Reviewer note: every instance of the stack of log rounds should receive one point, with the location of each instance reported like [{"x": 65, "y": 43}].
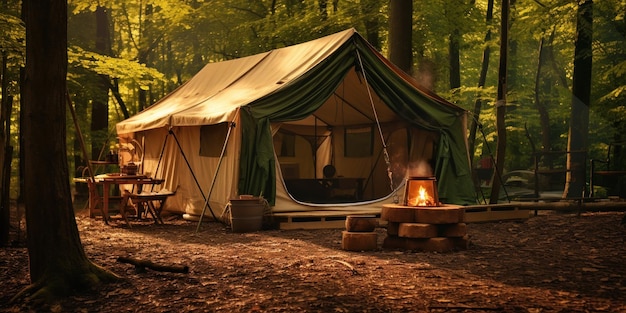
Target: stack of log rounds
[
  {"x": 430, "y": 229},
  {"x": 360, "y": 233}
]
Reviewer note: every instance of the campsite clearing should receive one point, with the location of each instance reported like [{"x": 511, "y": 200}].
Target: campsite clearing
[{"x": 549, "y": 263}]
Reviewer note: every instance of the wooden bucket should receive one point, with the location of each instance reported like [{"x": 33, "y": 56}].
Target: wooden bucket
[{"x": 246, "y": 214}]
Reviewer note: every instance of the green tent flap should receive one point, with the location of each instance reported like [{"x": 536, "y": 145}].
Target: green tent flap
[
  {"x": 426, "y": 110},
  {"x": 257, "y": 164},
  {"x": 304, "y": 95}
]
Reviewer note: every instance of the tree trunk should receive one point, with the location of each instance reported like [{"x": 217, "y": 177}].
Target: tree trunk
[
  {"x": 143, "y": 56},
  {"x": 581, "y": 88},
  {"x": 544, "y": 116},
  {"x": 115, "y": 90},
  {"x": 370, "y": 9},
  {"x": 322, "y": 5},
  {"x": 100, "y": 109},
  {"x": 501, "y": 104},
  {"x": 58, "y": 264},
  {"x": 484, "y": 67},
  {"x": 400, "y": 34},
  {"x": 561, "y": 78},
  {"x": 5, "y": 216},
  {"x": 454, "y": 59}
]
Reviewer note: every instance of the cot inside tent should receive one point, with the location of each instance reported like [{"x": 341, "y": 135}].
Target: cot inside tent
[{"x": 329, "y": 124}]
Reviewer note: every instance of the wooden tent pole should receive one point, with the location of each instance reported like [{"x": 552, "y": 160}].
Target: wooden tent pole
[{"x": 156, "y": 171}]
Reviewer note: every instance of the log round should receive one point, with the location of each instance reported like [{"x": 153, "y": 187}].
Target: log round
[
  {"x": 359, "y": 241},
  {"x": 361, "y": 223}
]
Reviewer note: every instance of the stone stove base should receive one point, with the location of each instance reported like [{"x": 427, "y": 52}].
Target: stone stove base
[{"x": 430, "y": 229}]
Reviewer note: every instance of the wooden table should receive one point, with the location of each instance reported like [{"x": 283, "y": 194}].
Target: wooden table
[{"x": 106, "y": 180}]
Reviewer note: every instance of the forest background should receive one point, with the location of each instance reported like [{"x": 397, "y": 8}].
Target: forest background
[{"x": 125, "y": 55}]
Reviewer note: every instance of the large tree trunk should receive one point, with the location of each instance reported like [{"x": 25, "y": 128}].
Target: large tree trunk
[
  {"x": 501, "y": 104},
  {"x": 58, "y": 264},
  {"x": 579, "y": 117},
  {"x": 400, "y": 34}
]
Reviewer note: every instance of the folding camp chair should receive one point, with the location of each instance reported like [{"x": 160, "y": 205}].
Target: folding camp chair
[{"x": 146, "y": 203}]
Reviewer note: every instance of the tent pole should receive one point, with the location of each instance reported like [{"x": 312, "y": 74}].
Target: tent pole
[
  {"x": 315, "y": 149},
  {"x": 190, "y": 169},
  {"x": 219, "y": 163},
  {"x": 156, "y": 171}
]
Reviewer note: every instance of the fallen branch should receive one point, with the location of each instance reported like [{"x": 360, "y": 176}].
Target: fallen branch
[
  {"x": 141, "y": 265},
  {"x": 354, "y": 272}
]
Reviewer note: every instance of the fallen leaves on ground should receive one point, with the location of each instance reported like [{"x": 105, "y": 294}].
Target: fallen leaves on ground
[{"x": 548, "y": 263}]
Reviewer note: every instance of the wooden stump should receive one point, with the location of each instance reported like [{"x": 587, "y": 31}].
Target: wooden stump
[
  {"x": 361, "y": 223},
  {"x": 359, "y": 241}
]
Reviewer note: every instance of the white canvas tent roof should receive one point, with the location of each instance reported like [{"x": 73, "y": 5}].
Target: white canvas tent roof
[{"x": 208, "y": 98}]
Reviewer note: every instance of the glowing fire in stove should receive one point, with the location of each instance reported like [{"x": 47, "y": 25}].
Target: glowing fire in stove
[
  {"x": 421, "y": 191},
  {"x": 423, "y": 199}
]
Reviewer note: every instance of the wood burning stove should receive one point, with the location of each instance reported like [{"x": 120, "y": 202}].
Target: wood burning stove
[{"x": 421, "y": 191}]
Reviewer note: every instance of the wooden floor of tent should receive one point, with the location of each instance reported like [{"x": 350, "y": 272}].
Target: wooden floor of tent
[{"x": 473, "y": 213}]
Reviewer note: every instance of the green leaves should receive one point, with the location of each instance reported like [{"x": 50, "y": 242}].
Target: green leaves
[
  {"x": 13, "y": 35},
  {"x": 114, "y": 67}
]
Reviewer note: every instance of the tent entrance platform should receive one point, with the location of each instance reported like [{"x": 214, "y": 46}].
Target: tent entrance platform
[
  {"x": 473, "y": 213},
  {"x": 325, "y": 219},
  {"x": 495, "y": 212},
  {"x": 318, "y": 219}
]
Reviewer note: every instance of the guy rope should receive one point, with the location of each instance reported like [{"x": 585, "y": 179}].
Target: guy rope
[{"x": 380, "y": 131}]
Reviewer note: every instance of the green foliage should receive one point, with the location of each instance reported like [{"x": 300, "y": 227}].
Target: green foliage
[
  {"x": 156, "y": 45},
  {"x": 209, "y": 31},
  {"x": 554, "y": 22},
  {"x": 13, "y": 35},
  {"x": 113, "y": 67}
]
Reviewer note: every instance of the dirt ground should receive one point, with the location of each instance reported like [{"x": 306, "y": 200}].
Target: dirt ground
[{"x": 549, "y": 263}]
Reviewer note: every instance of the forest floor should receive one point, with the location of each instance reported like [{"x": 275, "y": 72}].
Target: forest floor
[{"x": 549, "y": 263}]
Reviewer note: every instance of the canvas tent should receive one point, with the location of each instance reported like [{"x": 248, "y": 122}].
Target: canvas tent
[{"x": 268, "y": 125}]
